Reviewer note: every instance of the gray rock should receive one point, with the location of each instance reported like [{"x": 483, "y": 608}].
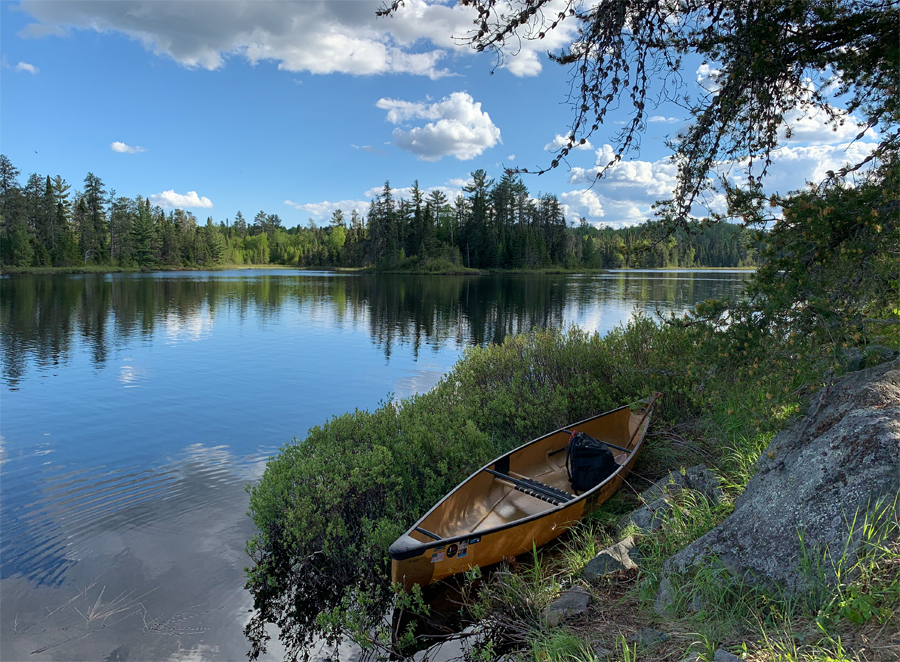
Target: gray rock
[
  {"x": 692, "y": 657},
  {"x": 651, "y": 516},
  {"x": 839, "y": 461},
  {"x": 648, "y": 518},
  {"x": 573, "y": 602},
  {"x": 648, "y": 637},
  {"x": 664, "y": 596},
  {"x": 621, "y": 556},
  {"x": 857, "y": 358},
  {"x": 601, "y": 653},
  {"x": 698, "y": 478},
  {"x": 723, "y": 655},
  {"x": 696, "y": 604}
]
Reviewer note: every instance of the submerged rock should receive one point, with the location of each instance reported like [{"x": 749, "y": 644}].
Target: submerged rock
[
  {"x": 817, "y": 480},
  {"x": 621, "y": 556}
]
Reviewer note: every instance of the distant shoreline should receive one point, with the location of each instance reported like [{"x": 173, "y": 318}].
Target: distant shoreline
[{"x": 462, "y": 271}]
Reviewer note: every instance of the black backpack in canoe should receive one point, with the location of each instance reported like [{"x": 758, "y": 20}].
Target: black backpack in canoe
[{"x": 589, "y": 462}]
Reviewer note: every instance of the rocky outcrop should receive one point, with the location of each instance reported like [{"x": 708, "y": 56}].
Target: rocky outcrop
[
  {"x": 818, "y": 479},
  {"x": 722, "y": 655}
]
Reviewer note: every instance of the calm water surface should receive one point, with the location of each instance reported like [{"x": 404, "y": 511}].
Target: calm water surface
[{"x": 135, "y": 408}]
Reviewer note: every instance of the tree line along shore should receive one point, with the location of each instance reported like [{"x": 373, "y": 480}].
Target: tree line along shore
[{"x": 492, "y": 225}]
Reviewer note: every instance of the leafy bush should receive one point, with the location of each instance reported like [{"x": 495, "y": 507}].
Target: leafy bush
[{"x": 328, "y": 507}]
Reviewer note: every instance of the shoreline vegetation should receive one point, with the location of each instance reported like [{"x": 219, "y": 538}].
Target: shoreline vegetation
[
  {"x": 491, "y": 225},
  {"x": 825, "y": 301},
  {"x": 460, "y": 271}
]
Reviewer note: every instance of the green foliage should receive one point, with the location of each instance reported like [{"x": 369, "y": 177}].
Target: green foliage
[
  {"x": 498, "y": 225},
  {"x": 558, "y": 646},
  {"x": 861, "y": 586},
  {"x": 831, "y": 262},
  {"x": 328, "y": 507}
]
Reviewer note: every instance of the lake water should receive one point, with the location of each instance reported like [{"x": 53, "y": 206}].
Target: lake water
[{"x": 134, "y": 408}]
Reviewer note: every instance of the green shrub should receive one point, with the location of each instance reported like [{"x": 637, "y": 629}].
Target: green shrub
[{"x": 328, "y": 507}]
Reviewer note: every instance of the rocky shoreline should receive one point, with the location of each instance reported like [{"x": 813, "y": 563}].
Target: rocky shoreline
[{"x": 822, "y": 501}]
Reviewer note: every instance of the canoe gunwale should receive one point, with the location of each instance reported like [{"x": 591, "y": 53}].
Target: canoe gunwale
[{"x": 422, "y": 547}]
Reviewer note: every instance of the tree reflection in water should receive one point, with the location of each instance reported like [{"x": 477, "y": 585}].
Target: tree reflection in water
[{"x": 43, "y": 316}]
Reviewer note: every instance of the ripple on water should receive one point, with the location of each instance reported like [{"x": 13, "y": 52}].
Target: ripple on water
[{"x": 49, "y": 514}]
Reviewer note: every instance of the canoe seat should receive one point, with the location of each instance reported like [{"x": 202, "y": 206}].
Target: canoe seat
[{"x": 536, "y": 488}]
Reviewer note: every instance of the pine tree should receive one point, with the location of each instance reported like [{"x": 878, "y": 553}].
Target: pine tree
[
  {"x": 143, "y": 233},
  {"x": 94, "y": 231}
]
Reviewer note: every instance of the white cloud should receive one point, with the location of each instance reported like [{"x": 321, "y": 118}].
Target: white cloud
[
  {"x": 625, "y": 193},
  {"x": 122, "y": 148},
  {"x": 708, "y": 78},
  {"x": 24, "y": 66},
  {"x": 315, "y": 36},
  {"x": 461, "y": 129},
  {"x": 511, "y": 157},
  {"x": 326, "y": 209},
  {"x": 648, "y": 179},
  {"x": 561, "y": 141},
  {"x": 793, "y": 167},
  {"x": 815, "y": 129},
  {"x": 582, "y": 202},
  {"x": 598, "y": 208},
  {"x": 21, "y": 66},
  {"x": 171, "y": 199},
  {"x": 524, "y": 63},
  {"x": 368, "y": 148},
  {"x": 319, "y": 37},
  {"x": 405, "y": 192},
  {"x": 660, "y": 118}
]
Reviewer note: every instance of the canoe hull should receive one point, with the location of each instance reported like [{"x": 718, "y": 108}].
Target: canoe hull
[{"x": 422, "y": 562}]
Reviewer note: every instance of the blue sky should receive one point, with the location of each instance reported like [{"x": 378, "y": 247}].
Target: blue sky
[{"x": 297, "y": 108}]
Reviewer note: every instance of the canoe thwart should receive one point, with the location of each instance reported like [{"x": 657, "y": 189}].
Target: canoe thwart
[
  {"x": 535, "y": 488},
  {"x": 618, "y": 448}
]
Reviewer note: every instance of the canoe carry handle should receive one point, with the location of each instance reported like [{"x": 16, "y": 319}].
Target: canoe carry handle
[
  {"x": 427, "y": 533},
  {"x": 618, "y": 448}
]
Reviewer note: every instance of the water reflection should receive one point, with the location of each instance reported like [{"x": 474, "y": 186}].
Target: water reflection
[
  {"x": 43, "y": 317},
  {"x": 133, "y": 588}
]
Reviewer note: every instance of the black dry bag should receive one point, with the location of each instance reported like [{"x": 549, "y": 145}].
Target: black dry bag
[{"x": 589, "y": 462}]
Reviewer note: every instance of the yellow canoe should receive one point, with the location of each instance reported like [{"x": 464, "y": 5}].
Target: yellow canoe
[{"x": 521, "y": 499}]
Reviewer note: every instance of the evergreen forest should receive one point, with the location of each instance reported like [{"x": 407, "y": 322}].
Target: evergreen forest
[{"x": 491, "y": 225}]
